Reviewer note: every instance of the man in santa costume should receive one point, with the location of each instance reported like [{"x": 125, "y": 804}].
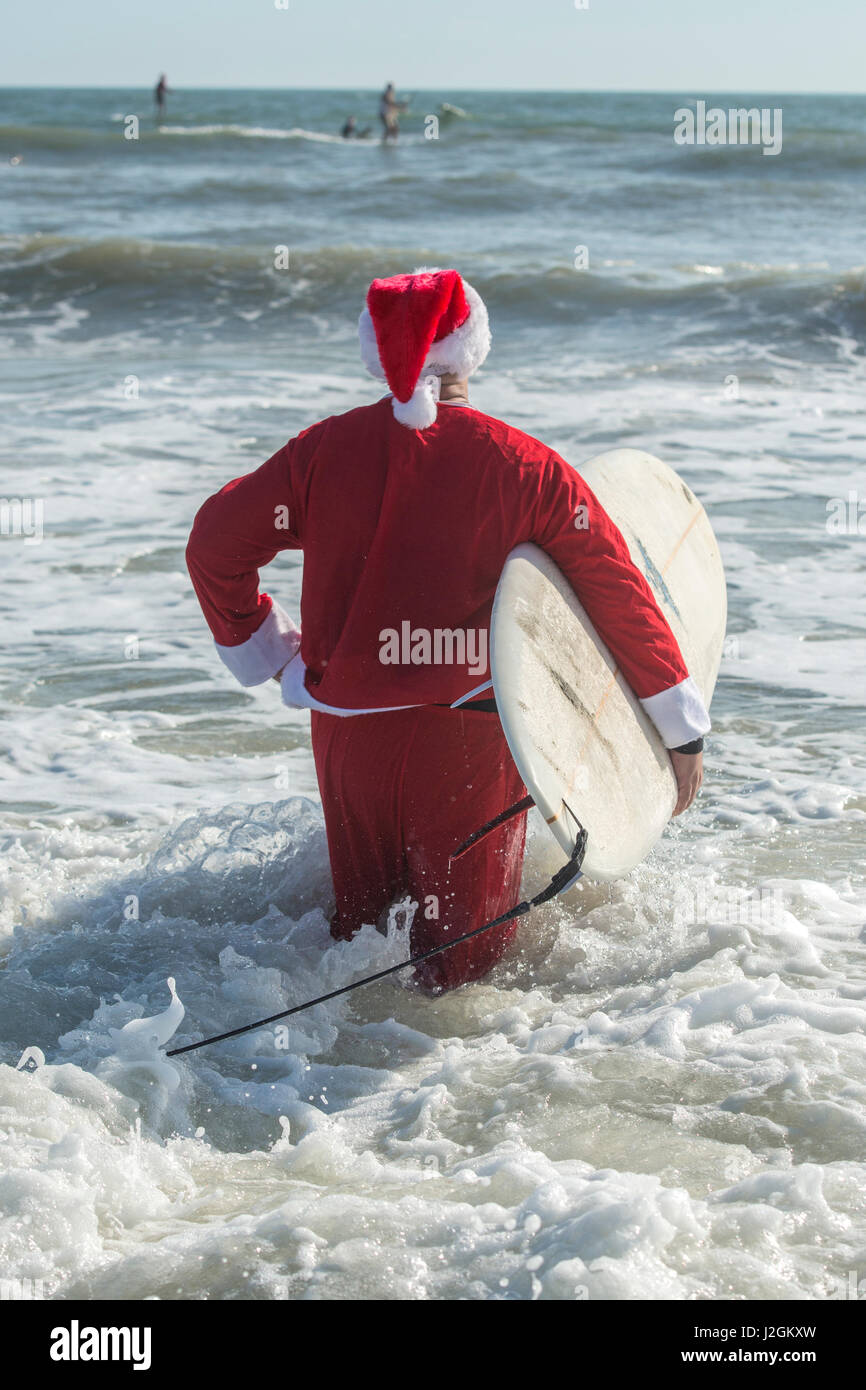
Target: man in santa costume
[{"x": 405, "y": 511}]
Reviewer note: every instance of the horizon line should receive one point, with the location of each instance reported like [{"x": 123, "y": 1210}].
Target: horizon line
[{"x": 535, "y": 91}]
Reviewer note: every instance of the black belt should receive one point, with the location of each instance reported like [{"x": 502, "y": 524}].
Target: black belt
[{"x": 488, "y": 706}]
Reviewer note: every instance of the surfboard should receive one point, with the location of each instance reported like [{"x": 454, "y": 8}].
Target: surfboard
[{"x": 582, "y": 743}]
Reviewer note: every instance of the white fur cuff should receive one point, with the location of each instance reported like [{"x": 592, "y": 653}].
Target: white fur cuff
[
  {"x": 297, "y": 696},
  {"x": 266, "y": 652},
  {"x": 679, "y": 713}
]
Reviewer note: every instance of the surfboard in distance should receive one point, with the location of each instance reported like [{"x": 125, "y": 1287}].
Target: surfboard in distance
[{"x": 579, "y": 736}]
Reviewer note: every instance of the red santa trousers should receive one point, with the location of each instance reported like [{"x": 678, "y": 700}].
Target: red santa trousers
[{"x": 400, "y": 792}]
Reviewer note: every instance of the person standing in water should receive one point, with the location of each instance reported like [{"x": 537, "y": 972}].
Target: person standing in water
[
  {"x": 159, "y": 92},
  {"x": 406, "y": 511},
  {"x": 389, "y": 108}
]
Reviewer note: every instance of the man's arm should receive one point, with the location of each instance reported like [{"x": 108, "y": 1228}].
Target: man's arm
[
  {"x": 571, "y": 525},
  {"x": 236, "y": 532}
]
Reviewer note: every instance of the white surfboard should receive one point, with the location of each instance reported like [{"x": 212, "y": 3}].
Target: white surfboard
[{"x": 579, "y": 736}]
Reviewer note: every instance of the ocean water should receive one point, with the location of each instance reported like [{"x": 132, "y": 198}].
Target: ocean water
[{"x": 662, "y": 1092}]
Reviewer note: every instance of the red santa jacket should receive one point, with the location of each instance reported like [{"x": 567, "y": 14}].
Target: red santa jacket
[{"x": 404, "y": 535}]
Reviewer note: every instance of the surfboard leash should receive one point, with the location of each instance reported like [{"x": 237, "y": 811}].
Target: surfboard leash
[
  {"x": 562, "y": 879},
  {"x": 517, "y": 809}
]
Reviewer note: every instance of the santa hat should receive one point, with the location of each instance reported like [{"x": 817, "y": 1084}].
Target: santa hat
[{"x": 418, "y": 328}]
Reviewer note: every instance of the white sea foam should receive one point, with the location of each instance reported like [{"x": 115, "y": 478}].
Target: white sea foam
[
  {"x": 255, "y": 132},
  {"x": 636, "y": 1104}
]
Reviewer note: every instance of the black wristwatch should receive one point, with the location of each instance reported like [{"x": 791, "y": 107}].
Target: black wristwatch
[{"x": 696, "y": 746}]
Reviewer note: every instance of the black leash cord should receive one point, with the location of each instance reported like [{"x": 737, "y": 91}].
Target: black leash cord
[
  {"x": 517, "y": 911},
  {"x": 515, "y": 810},
  {"x": 560, "y": 881}
]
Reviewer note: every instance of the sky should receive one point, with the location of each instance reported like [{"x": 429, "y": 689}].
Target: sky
[{"x": 440, "y": 45}]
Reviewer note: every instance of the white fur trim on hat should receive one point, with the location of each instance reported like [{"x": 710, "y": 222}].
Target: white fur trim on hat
[
  {"x": 461, "y": 353},
  {"x": 464, "y": 350},
  {"x": 421, "y": 408}
]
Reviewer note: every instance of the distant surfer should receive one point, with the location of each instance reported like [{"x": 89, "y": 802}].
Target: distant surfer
[
  {"x": 405, "y": 511},
  {"x": 389, "y": 109},
  {"x": 159, "y": 95},
  {"x": 350, "y": 130}
]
